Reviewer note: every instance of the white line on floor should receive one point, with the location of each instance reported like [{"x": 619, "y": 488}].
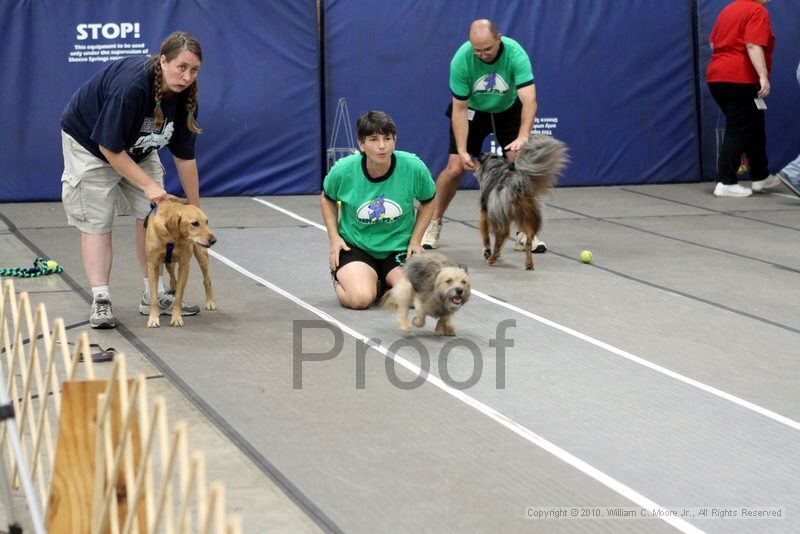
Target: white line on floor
[
  {"x": 600, "y": 344},
  {"x": 291, "y": 214},
  {"x": 510, "y": 424}
]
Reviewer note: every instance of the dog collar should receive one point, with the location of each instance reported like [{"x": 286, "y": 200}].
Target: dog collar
[{"x": 153, "y": 209}]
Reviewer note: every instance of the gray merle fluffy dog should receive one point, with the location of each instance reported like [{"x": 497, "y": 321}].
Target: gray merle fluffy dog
[{"x": 511, "y": 192}]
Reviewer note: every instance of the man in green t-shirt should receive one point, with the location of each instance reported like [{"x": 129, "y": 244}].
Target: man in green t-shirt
[
  {"x": 491, "y": 80},
  {"x": 378, "y": 228}
]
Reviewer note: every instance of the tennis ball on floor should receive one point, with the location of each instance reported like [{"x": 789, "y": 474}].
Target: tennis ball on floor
[
  {"x": 51, "y": 265},
  {"x": 586, "y": 256}
]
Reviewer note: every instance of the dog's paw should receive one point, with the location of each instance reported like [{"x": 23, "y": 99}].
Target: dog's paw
[
  {"x": 153, "y": 322},
  {"x": 528, "y": 266},
  {"x": 418, "y": 321},
  {"x": 492, "y": 259},
  {"x": 445, "y": 330},
  {"x": 486, "y": 253},
  {"x": 177, "y": 320},
  {"x": 211, "y": 305},
  {"x": 402, "y": 322}
]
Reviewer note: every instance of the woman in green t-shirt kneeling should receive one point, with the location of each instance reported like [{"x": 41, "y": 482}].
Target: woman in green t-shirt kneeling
[{"x": 378, "y": 227}]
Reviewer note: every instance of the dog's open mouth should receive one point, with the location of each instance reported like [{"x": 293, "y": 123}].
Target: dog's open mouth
[{"x": 457, "y": 300}]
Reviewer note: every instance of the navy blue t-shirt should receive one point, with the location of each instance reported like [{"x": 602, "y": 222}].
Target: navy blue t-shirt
[{"x": 115, "y": 109}]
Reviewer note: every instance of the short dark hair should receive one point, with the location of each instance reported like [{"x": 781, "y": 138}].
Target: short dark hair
[{"x": 373, "y": 122}]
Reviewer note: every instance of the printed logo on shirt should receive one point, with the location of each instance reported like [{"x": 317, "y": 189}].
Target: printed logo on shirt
[
  {"x": 149, "y": 125},
  {"x": 154, "y": 140},
  {"x": 490, "y": 83},
  {"x": 379, "y": 209}
]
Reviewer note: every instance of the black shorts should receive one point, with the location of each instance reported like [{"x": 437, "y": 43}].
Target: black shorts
[
  {"x": 506, "y": 122},
  {"x": 382, "y": 267}
]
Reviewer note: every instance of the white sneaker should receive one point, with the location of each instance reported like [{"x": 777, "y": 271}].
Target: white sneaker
[
  {"x": 100, "y": 314},
  {"x": 767, "y": 183},
  {"x": 537, "y": 247},
  {"x": 732, "y": 191},
  {"x": 165, "y": 301},
  {"x": 431, "y": 238}
]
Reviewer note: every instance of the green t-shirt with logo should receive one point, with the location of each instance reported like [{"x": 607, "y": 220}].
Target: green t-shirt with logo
[
  {"x": 490, "y": 87},
  {"x": 377, "y": 214}
]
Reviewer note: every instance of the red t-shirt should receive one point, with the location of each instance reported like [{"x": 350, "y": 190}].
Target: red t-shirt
[{"x": 741, "y": 22}]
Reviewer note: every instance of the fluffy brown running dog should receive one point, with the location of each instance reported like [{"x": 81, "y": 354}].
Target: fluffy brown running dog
[
  {"x": 511, "y": 192},
  {"x": 177, "y": 230},
  {"x": 435, "y": 286}
]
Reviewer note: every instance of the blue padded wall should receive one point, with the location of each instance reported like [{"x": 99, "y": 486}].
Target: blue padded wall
[
  {"x": 783, "y": 103},
  {"x": 615, "y": 79},
  {"x": 616, "y": 75},
  {"x": 259, "y": 87}
]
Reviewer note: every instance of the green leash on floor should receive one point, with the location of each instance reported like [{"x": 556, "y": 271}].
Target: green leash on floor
[{"x": 40, "y": 267}]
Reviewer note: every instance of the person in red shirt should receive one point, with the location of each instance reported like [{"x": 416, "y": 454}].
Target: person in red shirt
[{"x": 738, "y": 78}]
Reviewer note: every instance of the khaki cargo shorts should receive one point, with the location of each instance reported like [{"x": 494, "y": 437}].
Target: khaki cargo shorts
[{"x": 93, "y": 192}]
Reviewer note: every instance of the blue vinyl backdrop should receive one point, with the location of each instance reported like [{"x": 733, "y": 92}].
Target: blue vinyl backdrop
[
  {"x": 258, "y": 87},
  {"x": 617, "y": 75},
  {"x": 783, "y": 103},
  {"x": 617, "y": 80}
]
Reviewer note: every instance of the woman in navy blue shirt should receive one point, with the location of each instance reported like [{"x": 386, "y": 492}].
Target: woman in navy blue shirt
[{"x": 112, "y": 130}]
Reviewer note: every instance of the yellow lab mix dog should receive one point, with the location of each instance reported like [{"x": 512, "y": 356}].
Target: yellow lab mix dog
[{"x": 174, "y": 232}]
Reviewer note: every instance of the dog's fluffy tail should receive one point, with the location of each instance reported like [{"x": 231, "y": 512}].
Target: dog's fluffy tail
[
  {"x": 541, "y": 159},
  {"x": 389, "y": 300}
]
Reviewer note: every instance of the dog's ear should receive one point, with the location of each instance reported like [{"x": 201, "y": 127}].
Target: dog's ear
[
  {"x": 462, "y": 266},
  {"x": 159, "y": 225},
  {"x": 172, "y": 223}
]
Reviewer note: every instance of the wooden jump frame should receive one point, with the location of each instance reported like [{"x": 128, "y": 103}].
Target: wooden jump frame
[{"x": 94, "y": 456}]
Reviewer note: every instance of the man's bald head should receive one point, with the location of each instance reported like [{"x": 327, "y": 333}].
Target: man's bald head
[
  {"x": 485, "y": 39},
  {"x": 482, "y": 26}
]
